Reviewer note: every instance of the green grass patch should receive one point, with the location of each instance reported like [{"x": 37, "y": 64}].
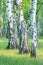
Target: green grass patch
[{"x": 12, "y": 57}]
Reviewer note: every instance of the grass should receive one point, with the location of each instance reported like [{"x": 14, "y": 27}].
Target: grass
[{"x": 11, "y": 57}]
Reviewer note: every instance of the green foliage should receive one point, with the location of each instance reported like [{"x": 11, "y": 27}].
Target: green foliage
[
  {"x": 4, "y": 11},
  {"x": 27, "y": 4}
]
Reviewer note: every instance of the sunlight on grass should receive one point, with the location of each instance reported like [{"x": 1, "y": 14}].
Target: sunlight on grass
[
  {"x": 14, "y": 53},
  {"x": 12, "y": 57}
]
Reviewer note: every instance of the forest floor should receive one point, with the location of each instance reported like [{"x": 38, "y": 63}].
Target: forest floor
[{"x": 12, "y": 57}]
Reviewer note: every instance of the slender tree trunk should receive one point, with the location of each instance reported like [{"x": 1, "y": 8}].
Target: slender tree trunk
[
  {"x": 11, "y": 25},
  {"x": 0, "y": 25},
  {"x": 16, "y": 10},
  {"x": 16, "y": 20},
  {"x": 0, "y": 18},
  {"x": 34, "y": 29},
  {"x": 22, "y": 30}
]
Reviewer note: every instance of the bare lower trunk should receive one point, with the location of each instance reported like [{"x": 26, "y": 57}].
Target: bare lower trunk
[
  {"x": 11, "y": 25},
  {"x": 0, "y": 25},
  {"x": 0, "y": 31},
  {"x": 34, "y": 29},
  {"x": 24, "y": 48},
  {"x": 23, "y": 34}
]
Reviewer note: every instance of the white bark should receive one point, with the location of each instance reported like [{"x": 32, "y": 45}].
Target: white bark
[
  {"x": 22, "y": 29},
  {"x": 19, "y": 2},
  {"x": 11, "y": 24},
  {"x": 34, "y": 27}
]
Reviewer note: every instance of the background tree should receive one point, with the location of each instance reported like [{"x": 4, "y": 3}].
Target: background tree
[
  {"x": 1, "y": 20},
  {"x": 3, "y": 16}
]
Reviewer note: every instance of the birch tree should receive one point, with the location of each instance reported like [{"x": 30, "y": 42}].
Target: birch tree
[
  {"x": 34, "y": 28},
  {"x": 11, "y": 25},
  {"x": 22, "y": 29},
  {"x": 1, "y": 18}
]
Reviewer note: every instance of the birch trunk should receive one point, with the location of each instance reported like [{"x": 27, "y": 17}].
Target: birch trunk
[
  {"x": 11, "y": 24},
  {"x": 23, "y": 35},
  {"x": 34, "y": 29},
  {"x": 22, "y": 30}
]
